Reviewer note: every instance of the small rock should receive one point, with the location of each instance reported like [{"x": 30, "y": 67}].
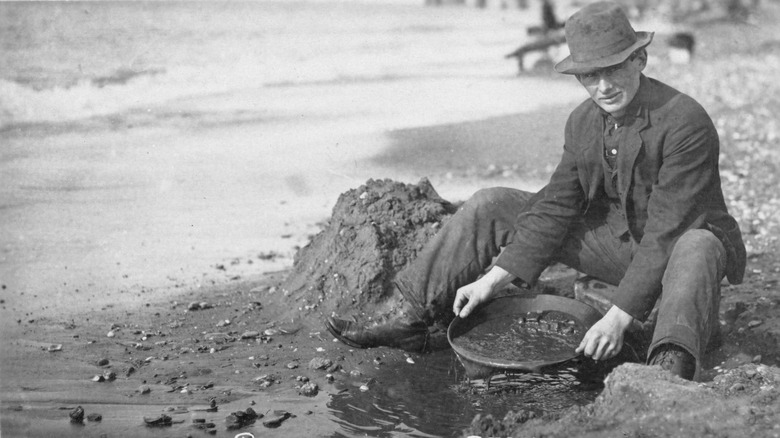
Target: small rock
[
  {"x": 223, "y": 323},
  {"x": 110, "y": 334},
  {"x": 144, "y": 389},
  {"x": 737, "y": 387},
  {"x": 410, "y": 360},
  {"x": 77, "y": 415},
  {"x": 277, "y": 419},
  {"x": 95, "y": 417},
  {"x": 320, "y": 363},
  {"x": 98, "y": 379},
  {"x": 755, "y": 323},
  {"x": 240, "y": 419},
  {"x": 194, "y": 306},
  {"x": 109, "y": 376},
  {"x": 102, "y": 362},
  {"x": 364, "y": 388},
  {"x": 158, "y": 421},
  {"x": 310, "y": 389},
  {"x": 250, "y": 335},
  {"x": 757, "y": 359},
  {"x": 292, "y": 365},
  {"x": 55, "y": 347}
]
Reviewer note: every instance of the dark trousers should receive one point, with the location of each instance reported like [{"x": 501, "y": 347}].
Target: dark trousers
[{"x": 468, "y": 243}]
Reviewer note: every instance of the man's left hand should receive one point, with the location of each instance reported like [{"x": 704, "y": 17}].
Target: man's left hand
[{"x": 605, "y": 339}]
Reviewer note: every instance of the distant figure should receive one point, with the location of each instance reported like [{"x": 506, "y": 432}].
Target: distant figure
[
  {"x": 542, "y": 44},
  {"x": 681, "y": 47},
  {"x": 549, "y": 19},
  {"x": 547, "y": 36}
]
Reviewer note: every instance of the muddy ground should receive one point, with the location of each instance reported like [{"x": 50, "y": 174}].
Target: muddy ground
[{"x": 259, "y": 343}]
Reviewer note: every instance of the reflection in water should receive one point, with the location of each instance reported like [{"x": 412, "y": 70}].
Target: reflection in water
[{"x": 434, "y": 399}]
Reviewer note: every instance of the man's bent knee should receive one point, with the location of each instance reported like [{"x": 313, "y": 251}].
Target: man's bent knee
[
  {"x": 492, "y": 198},
  {"x": 698, "y": 242}
]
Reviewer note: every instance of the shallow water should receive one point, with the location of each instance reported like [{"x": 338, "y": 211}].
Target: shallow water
[
  {"x": 433, "y": 400},
  {"x": 441, "y": 402}
]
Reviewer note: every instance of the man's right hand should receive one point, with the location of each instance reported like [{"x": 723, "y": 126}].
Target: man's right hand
[{"x": 471, "y": 295}]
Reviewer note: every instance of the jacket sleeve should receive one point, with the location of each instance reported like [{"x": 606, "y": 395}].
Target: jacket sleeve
[
  {"x": 677, "y": 202},
  {"x": 540, "y": 230}
]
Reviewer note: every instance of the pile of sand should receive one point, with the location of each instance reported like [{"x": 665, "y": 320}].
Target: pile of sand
[{"x": 374, "y": 232}]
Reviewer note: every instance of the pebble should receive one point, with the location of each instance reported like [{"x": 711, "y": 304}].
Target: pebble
[
  {"x": 250, "y": 335},
  {"x": 737, "y": 387},
  {"x": 223, "y": 323},
  {"x": 239, "y": 419},
  {"x": 757, "y": 359},
  {"x": 95, "y": 417},
  {"x": 309, "y": 389},
  {"x": 364, "y": 388},
  {"x": 409, "y": 360},
  {"x": 320, "y": 363},
  {"x": 158, "y": 421},
  {"x": 77, "y": 415},
  {"x": 110, "y": 334},
  {"x": 102, "y": 362},
  {"x": 755, "y": 323},
  {"x": 144, "y": 389},
  {"x": 292, "y": 365},
  {"x": 55, "y": 347},
  {"x": 277, "y": 419}
]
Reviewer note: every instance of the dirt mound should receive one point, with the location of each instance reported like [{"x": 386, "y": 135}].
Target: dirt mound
[{"x": 374, "y": 232}]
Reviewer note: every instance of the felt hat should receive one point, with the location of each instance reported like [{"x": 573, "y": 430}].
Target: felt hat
[{"x": 599, "y": 35}]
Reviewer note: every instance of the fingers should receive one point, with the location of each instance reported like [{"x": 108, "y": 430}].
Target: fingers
[
  {"x": 460, "y": 299},
  {"x": 466, "y": 311},
  {"x": 598, "y": 345}
]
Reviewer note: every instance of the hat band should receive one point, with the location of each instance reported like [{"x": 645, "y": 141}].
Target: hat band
[{"x": 603, "y": 52}]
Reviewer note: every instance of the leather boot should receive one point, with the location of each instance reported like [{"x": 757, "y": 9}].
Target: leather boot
[
  {"x": 397, "y": 332},
  {"x": 674, "y": 359},
  {"x": 398, "y": 324}
]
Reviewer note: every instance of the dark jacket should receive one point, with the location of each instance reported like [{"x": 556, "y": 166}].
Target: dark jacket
[{"x": 668, "y": 182}]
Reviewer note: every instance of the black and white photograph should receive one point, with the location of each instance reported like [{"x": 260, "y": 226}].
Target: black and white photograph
[{"x": 390, "y": 218}]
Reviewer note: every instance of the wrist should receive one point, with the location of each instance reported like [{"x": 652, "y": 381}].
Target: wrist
[
  {"x": 498, "y": 278},
  {"x": 621, "y": 317}
]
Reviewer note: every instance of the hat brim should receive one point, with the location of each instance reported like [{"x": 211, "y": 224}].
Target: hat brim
[{"x": 569, "y": 67}]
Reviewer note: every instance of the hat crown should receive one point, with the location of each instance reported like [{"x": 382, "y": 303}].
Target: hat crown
[{"x": 598, "y": 31}]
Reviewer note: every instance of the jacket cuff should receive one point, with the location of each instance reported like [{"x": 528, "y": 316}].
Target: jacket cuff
[
  {"x": 639, "y": 307},
  {"x": 519, "y": 266}
]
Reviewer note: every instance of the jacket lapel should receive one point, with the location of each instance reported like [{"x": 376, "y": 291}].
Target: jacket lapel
[{"x": 633, "y": 141}]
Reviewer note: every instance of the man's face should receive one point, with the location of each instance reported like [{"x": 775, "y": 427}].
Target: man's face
[{"x": 614, "y": 87}]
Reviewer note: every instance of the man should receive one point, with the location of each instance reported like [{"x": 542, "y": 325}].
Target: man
[{"x": 635, "y": 201}]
